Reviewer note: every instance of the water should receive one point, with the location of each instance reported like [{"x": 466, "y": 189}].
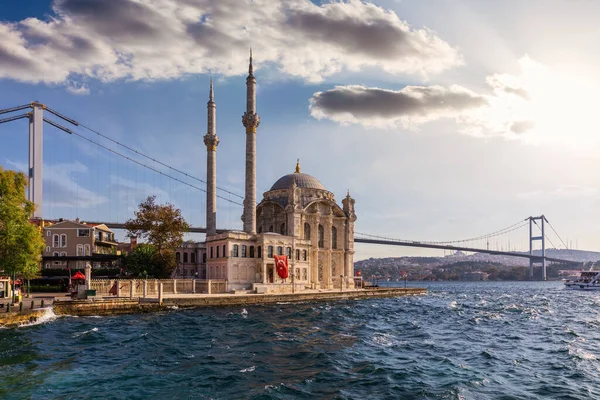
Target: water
[{"x": 480, "y": 340}]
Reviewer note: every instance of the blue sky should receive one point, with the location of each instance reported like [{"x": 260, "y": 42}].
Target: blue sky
[{"x": 445, "y": 119}]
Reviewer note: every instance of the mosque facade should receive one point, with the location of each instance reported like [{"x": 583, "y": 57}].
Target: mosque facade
[{"x": 297, "y": 218}]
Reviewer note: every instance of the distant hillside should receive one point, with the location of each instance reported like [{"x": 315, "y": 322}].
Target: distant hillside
[{"x": 449, "y": 267}]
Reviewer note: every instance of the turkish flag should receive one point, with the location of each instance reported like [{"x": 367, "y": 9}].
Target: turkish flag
[{"x": 281, "y": 264}]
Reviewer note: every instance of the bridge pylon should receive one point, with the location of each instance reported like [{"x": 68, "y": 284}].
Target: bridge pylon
[{"x": 542, "y": 238}]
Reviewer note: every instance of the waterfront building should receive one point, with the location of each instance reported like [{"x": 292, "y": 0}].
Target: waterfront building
[
  {"x": 298, "y": 217},
  {"x": 191, "y": 260},
  {"x": 73, "y": 244}
]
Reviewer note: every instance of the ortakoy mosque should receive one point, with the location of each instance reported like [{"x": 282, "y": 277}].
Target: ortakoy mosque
[{"x": 297, "y": 217}]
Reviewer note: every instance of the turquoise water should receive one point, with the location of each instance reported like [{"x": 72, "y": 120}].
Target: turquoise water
[{"x": 482, "y": 340}]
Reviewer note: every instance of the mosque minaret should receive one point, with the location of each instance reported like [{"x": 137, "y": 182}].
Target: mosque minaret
[
  {"x": 250, "y": 120},
  {"x": 211, "y": 140}
]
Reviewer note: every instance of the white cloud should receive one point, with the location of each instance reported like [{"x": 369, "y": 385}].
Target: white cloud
[
  {"x": 163, "y": 39},
  {"x": 540, "y": 104}
]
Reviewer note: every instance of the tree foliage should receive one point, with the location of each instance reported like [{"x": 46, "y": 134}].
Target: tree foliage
[
  {"x": 21, "y": 243},
  {"x": 145, "y": 261},
  {"x": 161, "y": 225}
]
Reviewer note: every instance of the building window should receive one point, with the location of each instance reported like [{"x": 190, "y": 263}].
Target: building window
[
  {"x": 218, "y": 252},
  {"x": 288, "y": 252},
  {"x": 333, "y": 237},
  {"x": 271, "y": 228},
  {"x": 48, "y": 233},
  {"x": 282, "y": 229},
  {"x": 235, "y": 250},
  {"x": 303, "y": 255},
  {"x": 47, "y": 265},
  {"x": 211, "y": 252},
  {"x": 259, "y": 252},
  {"x": 304, "y": 274},
  {"x": 279, "y": 250},
  {"x": 306, "y": 230},
  {"x": 270, "y": 251},
  {"x": 204, "y": 258},
  {"x": 83, "y": 232},
  {"x": 298, "y": 255},
  {"x": 251, "y": 251},
  {"x": 185, "y": 257},
  {"x": 193, "y": 258},
  {"x": 224, "y": 251},
  {"x": 260, "y": 229},
  {"x": 63, "y": 240},
  {"x": 55, "y": 241},
  {"x": 321, "y": 236},
  {"x": 244, "y": 250},
  {"x": 63, "y": 253},
  {"x": 47, "y": 249},
  {"x": 80, "y": 250},
  {"x": 178, "y": 256}
]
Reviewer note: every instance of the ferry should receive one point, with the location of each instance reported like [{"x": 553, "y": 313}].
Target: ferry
[{"x": 588, "y": 280}]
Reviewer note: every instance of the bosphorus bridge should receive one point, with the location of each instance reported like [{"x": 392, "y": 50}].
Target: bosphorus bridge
[{"x": 125, "y": 156}]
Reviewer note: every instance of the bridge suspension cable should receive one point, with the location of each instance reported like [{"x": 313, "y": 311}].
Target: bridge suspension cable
[
  {"x": 503, "y": 231},
  {"x": 155, "y": 160},
  {"x": 557, "y": 235},
  {"x": 152, "y": 169}
]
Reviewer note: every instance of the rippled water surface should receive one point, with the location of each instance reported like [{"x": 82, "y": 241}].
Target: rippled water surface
[{"x": 482, "y": 340}]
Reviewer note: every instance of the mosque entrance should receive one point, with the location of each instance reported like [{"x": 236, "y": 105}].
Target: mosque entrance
[{"x": 270, "y": 273}]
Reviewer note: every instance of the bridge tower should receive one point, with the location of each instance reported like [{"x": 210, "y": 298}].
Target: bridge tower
[
  {"x": 36, "y": 140},
  {"x": 542, "y": 238}
]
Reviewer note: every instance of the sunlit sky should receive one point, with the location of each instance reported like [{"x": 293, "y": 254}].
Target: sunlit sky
[{"x": 445, "y": 119}]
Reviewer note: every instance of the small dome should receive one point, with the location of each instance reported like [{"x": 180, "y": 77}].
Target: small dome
[{"x": 303, "y": 181}]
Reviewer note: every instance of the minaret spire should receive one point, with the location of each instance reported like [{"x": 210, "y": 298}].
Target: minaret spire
[
  {"x": 211, "y": 140},
  {"x": 250, "y": 120},
  {"x": 250, "y": 68}
]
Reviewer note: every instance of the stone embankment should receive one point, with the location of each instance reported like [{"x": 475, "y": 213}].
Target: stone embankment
[
  {"x": 13, "y": 319},
  {"x": 114, "y": 306}
]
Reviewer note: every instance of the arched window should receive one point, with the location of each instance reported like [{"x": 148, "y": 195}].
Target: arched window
[
  {"x": 244, "y": 251},
  {"x": 193, "y": 258},
  {"x": 224, "y": 251},
  {"x": 271, "y": 228},
  {"x": 211, "y": 252},
  {"x": 86, "y": 250},
  {"x": 55, "y": 242},
  {"x": 306, "y": 230},
  {"x": 204, "y": 258},
  {"x": 333, "y": 237},
  {"x": 178, "y": 256},
  {"x": 303, "y": 255},
  {"x": 288, "y": 253},
  {"x": 185, "y": 257},
  {"x": 321, "y": 236},
  {"x": 279, "y": 250},
  {"x": 282, "y": 229},
  {"x": 48, "y": 233},
  {"x": 298, "y": 255},
  {"x": 48, "y": 249},
  {"x": 63, "y": 240},
  {"x": 236, "y": 250},
  {"x": 270, "y": 251},
  {"x": 259, "y": 252},
  {"x": 218, "y": 251},
  {"x": 251, "y": 251}
]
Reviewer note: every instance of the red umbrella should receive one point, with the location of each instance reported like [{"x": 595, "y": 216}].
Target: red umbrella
[{"x": 78, "y": 275}]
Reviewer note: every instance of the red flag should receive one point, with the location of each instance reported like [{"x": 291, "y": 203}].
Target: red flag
[{"x": 281, "y": 264}]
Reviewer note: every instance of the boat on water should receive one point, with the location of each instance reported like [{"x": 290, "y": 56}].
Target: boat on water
[{"x": 588, "y": 280}]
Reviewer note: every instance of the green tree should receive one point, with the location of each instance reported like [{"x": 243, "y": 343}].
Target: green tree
[
  {"x": 145, "y": 261},
  {"x": 21, "y": 242},
  {"x": 161, "y": 225}
]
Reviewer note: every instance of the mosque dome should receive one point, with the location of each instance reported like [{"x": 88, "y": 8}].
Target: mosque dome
[{"x": 303, "y": 181}]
